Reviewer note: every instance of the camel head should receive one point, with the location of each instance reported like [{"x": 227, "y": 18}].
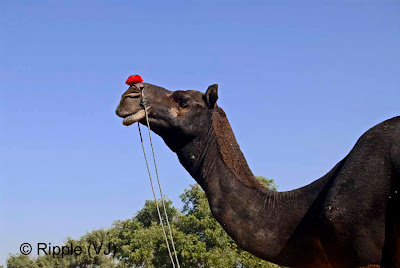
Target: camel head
[{"x": 177, "y": 116}]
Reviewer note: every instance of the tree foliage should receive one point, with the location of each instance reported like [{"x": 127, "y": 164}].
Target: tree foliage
[{"x": 199, "y": 240}]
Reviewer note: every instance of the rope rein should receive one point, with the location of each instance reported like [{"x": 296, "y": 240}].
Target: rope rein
[
  {"x": 159, "y": 186},
  {"x": 155, "y": 198}
]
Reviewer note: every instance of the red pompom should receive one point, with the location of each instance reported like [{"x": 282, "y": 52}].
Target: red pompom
[{"x": 134, "y": 79}]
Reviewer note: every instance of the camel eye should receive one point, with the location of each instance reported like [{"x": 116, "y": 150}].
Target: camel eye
[
  {"x": 183, "y": 102},
  {"x": 181, "y": 99}
]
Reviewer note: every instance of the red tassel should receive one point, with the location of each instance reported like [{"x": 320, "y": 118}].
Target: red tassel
[{"x": 134, "y": 79}]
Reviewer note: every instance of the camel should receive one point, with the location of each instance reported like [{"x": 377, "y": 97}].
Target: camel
[{"x": 348, "y": 218}]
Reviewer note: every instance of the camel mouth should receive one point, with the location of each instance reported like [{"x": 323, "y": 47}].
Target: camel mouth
[{"x": 135, "y": 117}]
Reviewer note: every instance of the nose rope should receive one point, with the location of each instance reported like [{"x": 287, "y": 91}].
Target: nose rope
[{"x": 159, "y": 186}]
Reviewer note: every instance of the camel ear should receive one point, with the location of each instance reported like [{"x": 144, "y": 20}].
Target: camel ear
[{"x": 211, "y": 96}]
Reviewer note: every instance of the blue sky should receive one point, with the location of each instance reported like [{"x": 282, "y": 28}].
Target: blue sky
[{"x": 300, "y": 82}]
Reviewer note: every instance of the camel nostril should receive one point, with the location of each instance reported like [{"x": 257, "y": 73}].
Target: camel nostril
[{"x": 131, "y": 95}]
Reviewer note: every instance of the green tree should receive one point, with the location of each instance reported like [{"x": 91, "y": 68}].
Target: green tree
[
  {"x": 269, "y": 183},
  {"x": 19, "y": 261},
  {"x": 199, "y": 240}
]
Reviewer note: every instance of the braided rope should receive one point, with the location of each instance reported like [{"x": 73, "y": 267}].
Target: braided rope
[{"x": 155, "y": 198}]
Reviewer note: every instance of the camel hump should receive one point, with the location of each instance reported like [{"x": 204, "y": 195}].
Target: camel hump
[
  {"x": 391, "y": 125},
  {"x": 393, "y": 122},
  {"x": 386, "y": 133},
  {"x": 381, "y": 142},
  {"x": 391, "y": 128}
]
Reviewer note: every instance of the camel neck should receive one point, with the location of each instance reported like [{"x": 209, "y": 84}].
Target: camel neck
[
  {"x": 259, "y": 220},
  {"x": 217, "y": 148},
  {"x": 237, "y": 200}
]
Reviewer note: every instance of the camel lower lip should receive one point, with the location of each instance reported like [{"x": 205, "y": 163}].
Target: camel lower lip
[{"x": 133, "y": 118}]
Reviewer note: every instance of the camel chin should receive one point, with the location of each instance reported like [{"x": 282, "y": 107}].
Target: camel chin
[{"x": 133, "y": 118}]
